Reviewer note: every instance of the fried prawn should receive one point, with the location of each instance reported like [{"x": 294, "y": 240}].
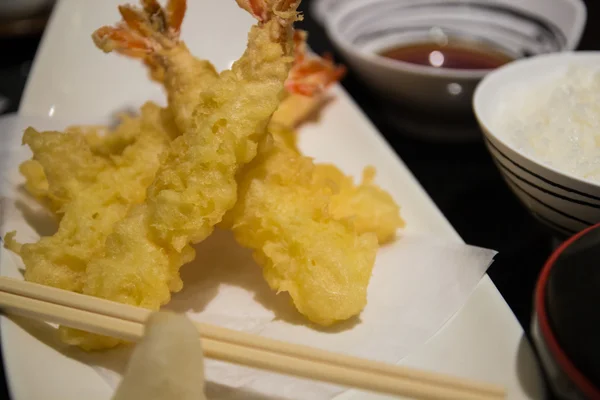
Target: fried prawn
[{"x": 195, "y": 184}]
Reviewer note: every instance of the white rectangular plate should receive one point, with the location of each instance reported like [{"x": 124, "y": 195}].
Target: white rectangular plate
[{"x": 73, "y": 81}]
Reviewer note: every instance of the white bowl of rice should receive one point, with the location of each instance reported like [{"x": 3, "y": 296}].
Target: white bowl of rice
[{"x": 541, "y": 122}]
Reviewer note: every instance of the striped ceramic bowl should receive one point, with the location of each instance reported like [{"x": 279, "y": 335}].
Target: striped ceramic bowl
[
  {"x": 362, "y": 29},
  {"x": 565, "y": 203}
]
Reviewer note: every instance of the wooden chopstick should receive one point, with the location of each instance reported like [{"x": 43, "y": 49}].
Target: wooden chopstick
[
  {"x": 139, "y": 315},
  {"x": 126, "y": 322},
  {"x": 132, "y": 331}
]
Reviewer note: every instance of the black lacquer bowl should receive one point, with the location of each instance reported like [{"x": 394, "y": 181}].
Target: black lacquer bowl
[{"x": 566, "y": 323}]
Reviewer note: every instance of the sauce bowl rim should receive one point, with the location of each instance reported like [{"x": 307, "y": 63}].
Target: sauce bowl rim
[
  {"x": 333, "y": 29},
  {"x": 397, "y": 65}
]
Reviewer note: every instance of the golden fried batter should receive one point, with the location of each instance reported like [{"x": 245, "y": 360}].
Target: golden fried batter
[
  {"x": 78, "y": 166},
  {"x": 296, "y": 109},
  {"x": 100, "y": 142},
  {"x": 36, "y": 183},
  {"x": 304, "y": 250},
  {"x": 370, "y": 208},
  {"x": 61, "y": 260}
]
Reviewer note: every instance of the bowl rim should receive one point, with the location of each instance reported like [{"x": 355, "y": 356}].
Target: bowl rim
[
  {"x": 332, "y": 28},
  {"x": 578, "y": 27},
  {"x": 567, "y": 366},
  {"x": 499, "y": 75}
]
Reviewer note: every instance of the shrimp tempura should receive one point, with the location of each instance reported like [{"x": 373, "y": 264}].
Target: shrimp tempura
[
  {"x": 281, "y": 214},
  {"x": 60, "y": 182},
  {"x": 152, "y": 34},
  {"x": 82, "y": 152},
  {"x": 306, "y": 85},
  {"x": 195, "y": 185},
  {"x": 60, "y": 260}
]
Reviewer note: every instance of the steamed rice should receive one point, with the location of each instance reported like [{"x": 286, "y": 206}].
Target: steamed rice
[{"x": 556, "y": 121}]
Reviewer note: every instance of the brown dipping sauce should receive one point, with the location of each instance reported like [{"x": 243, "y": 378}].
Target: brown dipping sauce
[{"x": 454, "y": 55}]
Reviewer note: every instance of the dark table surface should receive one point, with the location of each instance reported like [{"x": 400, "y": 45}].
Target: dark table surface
[{"x": 459, "y": 177}]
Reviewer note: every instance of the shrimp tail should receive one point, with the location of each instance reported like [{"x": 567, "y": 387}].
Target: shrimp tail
[
  {"x": 266, "y": 10},
  {"x": 311, "y": 76},
  {"x": 144, "y": 32}
]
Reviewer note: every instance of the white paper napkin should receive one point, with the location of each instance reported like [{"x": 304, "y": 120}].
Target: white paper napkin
[{"x": 418, "y": 283}]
